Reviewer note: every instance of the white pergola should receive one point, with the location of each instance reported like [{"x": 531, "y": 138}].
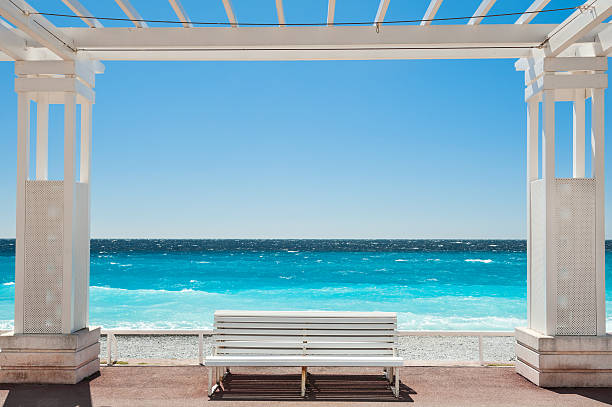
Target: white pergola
[{"x": 565, "y": 343}]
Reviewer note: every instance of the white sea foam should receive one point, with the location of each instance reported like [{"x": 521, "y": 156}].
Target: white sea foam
[
  {"x": 433, "y": 260},
  {"x": 203, "y": 262},
  {"x": 112, "y": 262},
  {"x": 286, "y": 277},
  {"x": 431, "y": 279},
  {"x": 487, "y": 261},
  {"x": 401, "y": 260},
  {"x": 9, "y": 283}
]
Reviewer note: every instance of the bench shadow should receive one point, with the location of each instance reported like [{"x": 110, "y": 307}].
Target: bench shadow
[
  {"x": 601, "y": 394},
  {"x": 321, "y": 387},
  {"x": 49, "y": 395}
]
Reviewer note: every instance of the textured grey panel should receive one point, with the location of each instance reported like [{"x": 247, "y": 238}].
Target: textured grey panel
[
  {"x": 574, "y": 231},
  {"x": 43, "y": 257},
  {"x": 538, "y": 256},
  {"x": 80, "y": 268}
]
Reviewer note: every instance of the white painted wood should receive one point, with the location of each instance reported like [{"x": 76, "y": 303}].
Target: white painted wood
[
  {"x": 69, "y": 210},
  {"x": 530, "y": 13},
  {"x": 597, "y": 164},
  {"x": 283, "y": 325},
  {"x": 37, "y": 27},
  {"x": 306, "y": 320},
  {"x": 347, "y": 332},
  {"x": 13, "y": 44},
  {"x": 533, "y": 108},
  {"x": 229, "y": 11},
  {"x": 299, "y": 361},
  {"x": 280, "y": 13},
  {"x": 23, "y": 154},
  {"x": 548, "y": 175},
  {"x": 605, "y": 40},
  {"x": 431, "y": 12},
  {"x": 131, "y": 13},
  {"x": 54, "y": 85},
  {"x": 307, "y": 314},
  {"x": 382, "y": 11},
  {"x": 85, "y": 154},
  {"x": 301, "y": 43},
  {"x": 80, "y": 10},
  {"x": 481, "y": 11},
  {"x": 83, "y": 69},
  {"x": 180, "y": 12},
  {"x": 331, "y": 11},
  {"x": 578, "y": 137},
  {"x": 578, "y": 24},
  {"x": 42, "y": 138}
]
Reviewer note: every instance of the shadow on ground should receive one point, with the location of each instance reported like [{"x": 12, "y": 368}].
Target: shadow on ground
[
  {"x": 58, "y": 395},
  {"x": 321, "y": 387},
  {"x": 601, "y": 394}
]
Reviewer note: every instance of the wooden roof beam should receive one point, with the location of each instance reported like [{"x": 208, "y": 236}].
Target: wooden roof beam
[
  {"x": 382, "y": 10},
  {"x": 434, "y": 5},
  {"x": 229, "y": 10},
  {"x": 532, "y": 11},
  {"x": 131, "y": 13},
  {"x": 481, "y": 11},
  {"x": 181, "y": 13},
  {"x": 80, "y": 10}
]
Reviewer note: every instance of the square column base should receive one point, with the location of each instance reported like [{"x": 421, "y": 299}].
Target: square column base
[
  {"x": 49, "y": 358},
  {"x": 564, "y": 361}
]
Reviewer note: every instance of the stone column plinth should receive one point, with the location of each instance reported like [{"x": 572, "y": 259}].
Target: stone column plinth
[
  {"x": 564, "y": 361},
  {"x": 49, "y": 358}
]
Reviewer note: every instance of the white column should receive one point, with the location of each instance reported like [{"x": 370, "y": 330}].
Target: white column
[
  {"x": 85, "y": 177},
  {"x": 579, "y": 156},
  {"x": 23, "y": 154},
  {"x": 532, "y": 174},
  {"x": 42, "y": 137},
  {"x": 597, "y": 165},
  {"x": 548, "y": 174},
  {"x": 69, "y": 209}
]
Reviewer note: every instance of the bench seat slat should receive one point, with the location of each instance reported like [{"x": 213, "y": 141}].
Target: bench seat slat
[
  {"x": 296, "y": 361},
  {"x": 307, "y": 345},
  {"x": 319, "y": 314},
  {"x": 306, "y": 320},
  {"x": 304, "y": 326},
  {"x": 298, "y": 351},
  {"x": 321, "y": 332},
  {"x": 308, "y": 338}
]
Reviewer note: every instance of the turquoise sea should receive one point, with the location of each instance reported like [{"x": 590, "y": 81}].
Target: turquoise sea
[{"x": 431, "y": 284}]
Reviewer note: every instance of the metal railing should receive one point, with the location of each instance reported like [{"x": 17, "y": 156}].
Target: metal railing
[{"x": 112, "y": 334}]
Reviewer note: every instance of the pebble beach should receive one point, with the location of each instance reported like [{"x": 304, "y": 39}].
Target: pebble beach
[{"x": 411, "y": 348}]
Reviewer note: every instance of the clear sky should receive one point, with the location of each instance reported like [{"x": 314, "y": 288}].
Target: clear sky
[{"x": 351, "y": 149}]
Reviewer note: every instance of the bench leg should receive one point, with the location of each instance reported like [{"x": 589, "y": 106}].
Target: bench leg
[
  {"x": 303, "y": 381},
  {"x": 210, "y": 381},
  {"x": 396, "y": 392}
]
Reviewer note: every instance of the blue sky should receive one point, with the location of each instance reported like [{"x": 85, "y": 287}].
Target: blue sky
[{"x": 350, "y": 149}]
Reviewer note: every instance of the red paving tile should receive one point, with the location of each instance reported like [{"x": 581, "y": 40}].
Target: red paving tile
[{"x": 186, "y": 386}]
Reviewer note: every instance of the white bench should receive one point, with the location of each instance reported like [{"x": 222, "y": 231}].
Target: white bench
[{"x": 304, "y": 339}]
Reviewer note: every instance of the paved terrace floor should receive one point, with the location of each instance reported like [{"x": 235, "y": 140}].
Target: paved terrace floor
[{"x": 186, "y": 386}]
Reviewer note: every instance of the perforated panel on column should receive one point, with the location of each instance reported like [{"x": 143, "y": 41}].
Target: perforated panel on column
[
  {"x": 538, "y": 256},
  {"x": 574, "y": 231},
  {"x": 42, "y": 300}
]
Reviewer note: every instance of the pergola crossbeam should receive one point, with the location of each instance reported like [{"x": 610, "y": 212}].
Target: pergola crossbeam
[
  {"x": 331, "y": 11},
  {"x": 280, "y": 13},
  {"x": 131, "y": 13},
  {"x": 578, "y": 24},
  {"x": 382, "y": 11},
  {"x": 181, "y": 13},
  {"x": 20, "y": 14},
  {"x": 481, "y": 11},
  {"x": 229, "y": 10},
  {"x": 434, "y": 5},
  {"x": 532, "y": 11},
  {"x": 80, "y": 10}
]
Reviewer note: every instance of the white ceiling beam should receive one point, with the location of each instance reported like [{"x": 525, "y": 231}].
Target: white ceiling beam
[
  {"x": 331, "y": 10},
  {"x": 481, "y": 11},
  {"x": 605, "y": 40},
  {"x": 280, "y": 13},
  {"x": 312, "y": 43},
  {"x": 181, "y": 13},
  {"x": 79, "y": 10},
  {"x": 578, "y": 24},
  {"x": 434, "y": 5},
  {"x": 131, "y": 13},
  {"x": 229, "y": 10},
  {"x": 532, "y": 11},
  {"x": 382, "y": 10},
  {"x": 36, "y": 27}
]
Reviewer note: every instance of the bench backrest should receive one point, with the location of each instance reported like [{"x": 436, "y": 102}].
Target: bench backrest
[{"x": 313, "y": 333}]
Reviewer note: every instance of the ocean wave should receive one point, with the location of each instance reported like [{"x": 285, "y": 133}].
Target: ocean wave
[
  {"x": 487, "y": 261},
  {"x": 401, "y": 260},
  {"x": 129, "y": 291},
  {"x": 9, "y": 283}
]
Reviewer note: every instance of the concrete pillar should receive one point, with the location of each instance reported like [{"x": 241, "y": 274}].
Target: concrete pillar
[
  {"x": 565, "y": 342},
  {"x": 52, "y": 342}
]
